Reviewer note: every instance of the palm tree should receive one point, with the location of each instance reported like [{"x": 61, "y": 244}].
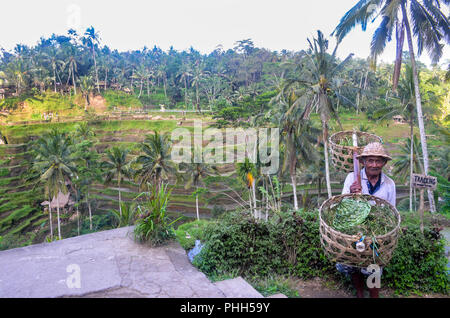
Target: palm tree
[
  {"x": 317, "y": 85},
  {"x": 197, "y": 76},
  {"x": 296, "y": 136},
  {"x": 155, "y": 163},
  {"x": 52, "y": 58},
  {"x": 88, "y": 167},
  {"x": 194, "y": 173},
  {"x": 184, "y": 75},
  {"x": 142, "y": 74},
  {"x": 86, "y": 88},
  {"x": 116, "y": 165},
  {"x": 430, "y": 27},
  {"x": 247, "y": 174},
  {"x": 406, "y": 109},
  {"x": 54, "y": 161},
  {"x": 16, "y": 72},
  {"x": 72, "y": 65},
  {"x": 162, "y": 74},
  {"x": 90, "y": 39}
]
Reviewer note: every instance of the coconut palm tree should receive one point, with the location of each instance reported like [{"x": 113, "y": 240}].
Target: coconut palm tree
[
  {"x": 424, "y": 18},
  {"x": 155, "y": 163},
  {"x": 315, "y": 86},
  {"x": 55, "y": 163},
  {"x": 55, "y": 62},
  {"x": 88, "y": 158},
  {"x": 86, "y": 88},
  {"x": 116, "y": 164},
  {"x": 296, "y": 135},
  {"x": 184, "y": 76},
  {"x": 91, "y": 37},
  {"x": 198, "y": 74},
  {"x": 161, "y": 73},
  {"x": 247, "y": 173},
  {"x": 72, "y": 65},
  {"x": 194, "y": 173},
  {"x": 406, "y": 109},
  {"x": 142, "y": 74}
]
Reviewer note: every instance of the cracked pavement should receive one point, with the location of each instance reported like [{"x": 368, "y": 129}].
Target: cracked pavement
[{"x": 110, "y": 264}]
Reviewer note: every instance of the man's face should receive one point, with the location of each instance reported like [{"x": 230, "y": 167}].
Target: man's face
[{"x": 374, "y": 165}]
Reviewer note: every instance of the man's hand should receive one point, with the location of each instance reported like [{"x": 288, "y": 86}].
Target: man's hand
[{"x": 355, "y": 187}]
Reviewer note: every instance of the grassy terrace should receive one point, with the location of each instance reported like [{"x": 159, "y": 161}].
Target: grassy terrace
[{"x": 19, "y": 203}]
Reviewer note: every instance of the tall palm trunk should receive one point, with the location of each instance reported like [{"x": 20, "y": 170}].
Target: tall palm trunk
[
  {"x": 50, "y": 216},
  {"x": 120, "y": 197},
  {"x": 294, "y": 189},
  {"x": 292, "y": 168},
  {"x": 196, "y": 205},
  {"x": 78, "y": 221},
  {"x": 411, "y": 163},
  {"x": 54, "y": 78},
  {"x": 140, "y": 90},
  {"x": 197, "y": 99},
  {"x": 165, "y": 89},
  {"x": 73, "y": 82},
  {"x": 423, "y": 139},
  {"x": 325, "y": 151},
  {"x": 185, "y": 93},
  {"x": 254, "y": 198},
  {"x": 106, "y": 77},
  {"x": 59, "y": 221},
  {"x": 319, "y": 191},
  {"x": 89, "y": 209},
  {"x": 95, "y": 67}
]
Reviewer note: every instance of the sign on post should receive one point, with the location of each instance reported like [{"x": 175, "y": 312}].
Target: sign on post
[{"x": 422, "y": 181}]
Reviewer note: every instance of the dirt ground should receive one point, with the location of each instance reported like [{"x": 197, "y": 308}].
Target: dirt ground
[{"x": 320, "y": 288}]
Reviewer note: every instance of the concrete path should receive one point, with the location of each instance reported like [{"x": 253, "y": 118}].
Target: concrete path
[{"x": 108, "y": 264}]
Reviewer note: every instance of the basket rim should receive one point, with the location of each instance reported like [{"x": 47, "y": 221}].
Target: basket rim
[
  {"x": 347, "y": 236},
  {"x": 330, "y": 139}
]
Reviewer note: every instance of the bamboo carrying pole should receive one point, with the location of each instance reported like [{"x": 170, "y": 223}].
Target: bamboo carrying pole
[{"x": 356, "y": 170}]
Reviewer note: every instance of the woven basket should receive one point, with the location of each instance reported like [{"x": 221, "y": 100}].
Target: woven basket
[
  {"x": 339, "y": 247},
  {"x": 342, "y": 156}
]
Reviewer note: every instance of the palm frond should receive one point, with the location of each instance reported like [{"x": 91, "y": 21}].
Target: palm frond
[{"x": 360, "y": 14}]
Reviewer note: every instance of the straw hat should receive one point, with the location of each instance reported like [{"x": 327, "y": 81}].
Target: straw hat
[{"x": 374, "y": 149}]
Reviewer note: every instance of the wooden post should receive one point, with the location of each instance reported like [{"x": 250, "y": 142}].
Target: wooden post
[{"x": 356, "y": 170}]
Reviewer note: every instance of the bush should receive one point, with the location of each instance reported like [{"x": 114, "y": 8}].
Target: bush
[
  {"x": 289, "y": 244},
  {"x": 418, "y": 263},
  {"x": 153, "y": 225},
  {"x": 188, "y": 233}
]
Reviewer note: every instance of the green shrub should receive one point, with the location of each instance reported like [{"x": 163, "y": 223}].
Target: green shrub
[
  {"x": 128, "y": 214},
  {"x": 217, "y": 210},
  {"x": 287, "y": 244},
  {"x": 100, "y": 222},
  {"x": 154, "y": 225},
  {"x": 418, "y": 263},
  {"x": 4, "y": 172},
  {"x": 10, "y": 241},
  {"x": 188, "y": 233}
]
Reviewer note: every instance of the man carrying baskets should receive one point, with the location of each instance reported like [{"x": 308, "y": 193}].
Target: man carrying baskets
[{"x": 374, "y": 182}]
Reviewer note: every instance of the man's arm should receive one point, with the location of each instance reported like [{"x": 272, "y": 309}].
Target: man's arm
[
  {"x": 393, "y": 194},
  {"x": 348, "y": 182}
]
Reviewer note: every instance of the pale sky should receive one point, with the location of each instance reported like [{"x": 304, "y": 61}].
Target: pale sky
[{"x": 203, "y": 24}]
